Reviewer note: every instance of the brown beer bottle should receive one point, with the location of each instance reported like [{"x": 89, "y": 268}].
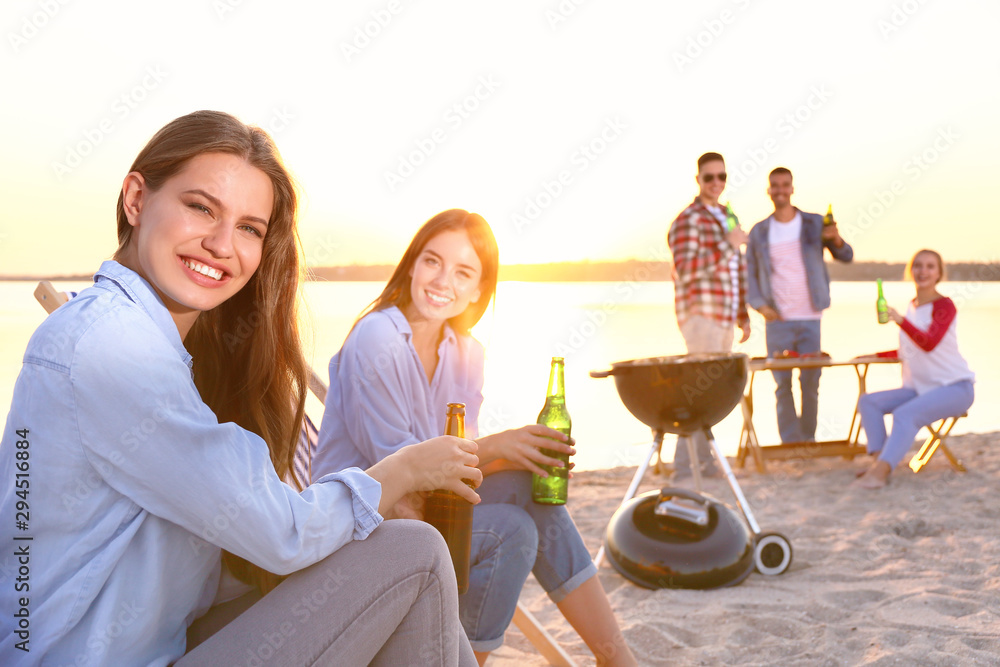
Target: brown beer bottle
[{"x": 450, "y": 513}]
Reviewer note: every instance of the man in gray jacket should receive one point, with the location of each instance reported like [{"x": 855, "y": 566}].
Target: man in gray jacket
[{"x": 788, "y": 284}]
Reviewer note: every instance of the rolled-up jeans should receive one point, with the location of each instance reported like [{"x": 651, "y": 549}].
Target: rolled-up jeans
[
  {"x": 910, "y": 413},
  {"x": 497, "y": 571},
  {"x": 554, "y": 552}
]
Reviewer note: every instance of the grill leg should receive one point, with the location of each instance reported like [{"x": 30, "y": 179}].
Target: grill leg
[
  {"x": 634, "y": 485},
  {"x": 733, "y": 484}
]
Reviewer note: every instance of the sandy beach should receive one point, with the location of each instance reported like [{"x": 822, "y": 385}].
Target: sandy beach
[{"x": 907, "y": 575}]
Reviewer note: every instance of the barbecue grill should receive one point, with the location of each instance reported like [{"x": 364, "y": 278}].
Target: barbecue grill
[{"x": 660, "y": 539}]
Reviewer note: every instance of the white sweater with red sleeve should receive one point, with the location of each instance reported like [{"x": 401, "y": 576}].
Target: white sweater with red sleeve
[{"x": 928, "y": 347}]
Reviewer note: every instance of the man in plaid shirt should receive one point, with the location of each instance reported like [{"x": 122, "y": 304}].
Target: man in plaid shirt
[{"x": 710, "y": 275}]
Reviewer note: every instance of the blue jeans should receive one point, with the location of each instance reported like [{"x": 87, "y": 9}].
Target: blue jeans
[
  {"x": 910, "y": 413},
  {"x": 801, "y": 336},
  {"x": 511, "y": 536}
]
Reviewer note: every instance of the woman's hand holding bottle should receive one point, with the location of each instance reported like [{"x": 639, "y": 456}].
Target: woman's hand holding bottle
[
  {"x": 520, "y": 448},
  {"x": 444, "y": 462}
]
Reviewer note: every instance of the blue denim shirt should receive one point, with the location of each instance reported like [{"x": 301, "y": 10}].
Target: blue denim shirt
[
  {"x": 759, "y": 292},
  {"x": 379, "y": 398},
  {"x": 133, "y": 487}
]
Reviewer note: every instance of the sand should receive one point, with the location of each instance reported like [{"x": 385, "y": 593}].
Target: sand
[{"x": 906, "y": 575}]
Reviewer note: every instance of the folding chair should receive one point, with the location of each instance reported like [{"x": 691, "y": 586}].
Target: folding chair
[
  {"x": 939, "y": 433},
  {"x": 547, "y": 646}
]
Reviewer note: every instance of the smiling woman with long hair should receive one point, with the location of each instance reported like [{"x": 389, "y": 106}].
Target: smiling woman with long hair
[
  {"x": 403, "y": 361},
  {"x": 154, "y": 425}
]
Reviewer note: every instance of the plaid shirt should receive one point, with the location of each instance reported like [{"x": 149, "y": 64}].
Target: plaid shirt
[{"x": 703, "y": 284}]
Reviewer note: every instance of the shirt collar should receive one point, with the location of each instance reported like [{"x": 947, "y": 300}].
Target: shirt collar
[
  {"x": 701, "y": 206},
  {"x": 398, "y": 319},
  {"x": 140, "y": 292}
]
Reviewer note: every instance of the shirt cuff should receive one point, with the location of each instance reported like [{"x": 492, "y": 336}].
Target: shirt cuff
[{"x": 365, "y": 496}]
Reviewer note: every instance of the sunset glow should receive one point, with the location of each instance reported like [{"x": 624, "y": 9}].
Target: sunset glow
[{"x": 572, "y": 126}]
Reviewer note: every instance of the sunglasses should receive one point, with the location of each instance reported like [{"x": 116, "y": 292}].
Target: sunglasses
[{"x": 708, "y": 178}]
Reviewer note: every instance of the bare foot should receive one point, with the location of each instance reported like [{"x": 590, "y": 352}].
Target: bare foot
[
  {"x": 861, "y": 471},
  {"x": 875, "y": 477}
]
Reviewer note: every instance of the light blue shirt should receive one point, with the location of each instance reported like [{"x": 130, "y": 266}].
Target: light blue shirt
[
  {"x": 379, "y": 398},
  {"x": 134, "y": 487}
]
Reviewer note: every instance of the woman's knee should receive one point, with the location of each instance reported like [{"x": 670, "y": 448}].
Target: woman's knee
[
  {"x": 505, "y": 531},
  {"x": 520, "y": 530},
  {"x": 909, "y": 416},
  {"x": 415, "y": 541}
]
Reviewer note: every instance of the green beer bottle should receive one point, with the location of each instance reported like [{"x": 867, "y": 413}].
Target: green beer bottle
[
  {"x": 552, "y": 490},
  {"x": 881, "y": 307},
  {"x": 828, "y": 218},
  {"x": 732, "y": 222}
]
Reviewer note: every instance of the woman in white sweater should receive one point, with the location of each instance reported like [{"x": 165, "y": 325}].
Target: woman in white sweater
[{"x": 937, "y": 382}]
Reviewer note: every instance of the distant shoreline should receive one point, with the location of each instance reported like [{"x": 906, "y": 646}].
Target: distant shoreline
[{"x": 627, "y": 271}]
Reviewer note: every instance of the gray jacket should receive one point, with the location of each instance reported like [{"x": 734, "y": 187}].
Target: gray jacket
[{"x": 759, "y": 293}]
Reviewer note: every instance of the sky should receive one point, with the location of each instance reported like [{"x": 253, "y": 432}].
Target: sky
[{"x": 572, "y": 126}]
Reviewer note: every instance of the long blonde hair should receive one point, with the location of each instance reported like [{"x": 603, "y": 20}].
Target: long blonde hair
[{"x": 248, "y": 361}]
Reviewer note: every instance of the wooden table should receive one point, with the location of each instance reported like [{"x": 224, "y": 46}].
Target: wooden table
[{"x": 849, "y": 447}]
